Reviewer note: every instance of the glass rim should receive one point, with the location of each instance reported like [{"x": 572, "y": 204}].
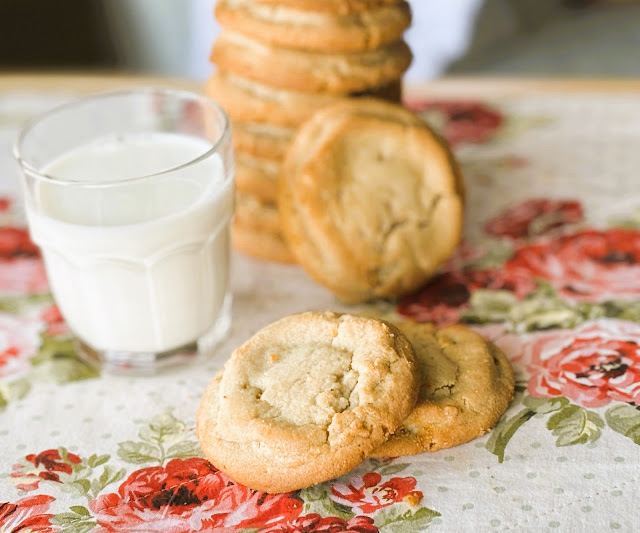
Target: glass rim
[{"x": 33, "y": 122}]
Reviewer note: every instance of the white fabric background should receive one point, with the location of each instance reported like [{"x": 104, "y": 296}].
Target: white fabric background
[{"x": 174, "y": 37}]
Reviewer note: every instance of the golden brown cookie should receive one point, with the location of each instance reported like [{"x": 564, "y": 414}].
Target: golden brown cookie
[
  {"x": 370, "y": 200},
  {"x": 257, "y": 176},
  {"x": 253, "y": 214},
  {"x": 467, "y": 384},
  {"x": 261, "y": 139},
  {"x": 321, "y": 32},
  {"x": 328, "y": 6},
  {"x": 306, "y": 399},
  {"x": 300, "y": 70},
  {"x": 248, "y": 101},
  {"x": 264, "y": 245}
]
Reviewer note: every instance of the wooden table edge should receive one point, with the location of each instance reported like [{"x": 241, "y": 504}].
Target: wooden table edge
[
  {"x": 454, "y": 87},
  {"x": 87, "y": 82},
  {"x": 495, "y": 87}
]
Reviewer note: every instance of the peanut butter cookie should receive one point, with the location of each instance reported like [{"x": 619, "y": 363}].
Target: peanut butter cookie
[
  {"x": 257, "y": 176},
  {"x": 467, "y": 384},
  {"x": 329, "y": 6},
  {"x": 306, "y": 399},
  {"x": 262, "y": 139},
  {"x": 263, "y": 245},
  {"x": 321, "y": 32},
  {"x": 248, "y": 101},
  {"x": 253, "y": 214},
  {"x": 370, "y": 200},
  {"x": 301, "y": 70}
]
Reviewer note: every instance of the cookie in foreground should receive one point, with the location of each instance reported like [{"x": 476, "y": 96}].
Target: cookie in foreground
[
  {"x": 306, "y": 399},
  {"x": 467, "y": 384},
  {"x": 370, "y": 200}
]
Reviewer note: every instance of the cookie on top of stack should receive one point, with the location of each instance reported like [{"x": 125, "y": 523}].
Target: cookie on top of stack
[{"x": 279, "y": 61}]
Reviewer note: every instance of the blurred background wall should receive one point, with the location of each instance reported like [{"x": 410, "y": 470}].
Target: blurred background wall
[{"x": 173, "y": 37}]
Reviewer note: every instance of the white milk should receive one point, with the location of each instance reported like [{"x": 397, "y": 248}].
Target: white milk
[{"x": 142, "y": 266}]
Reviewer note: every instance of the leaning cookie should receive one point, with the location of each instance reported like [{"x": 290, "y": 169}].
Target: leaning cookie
[
  {"x": 321, "y": 32},
  {"x": 301, "y": 70},
  {"x": 370, "y": 200},
  {"x": 467, "y": 384},
  {"x": 306, "y": 399}
]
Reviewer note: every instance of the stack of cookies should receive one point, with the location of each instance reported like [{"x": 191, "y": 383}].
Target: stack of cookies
[
  {"x": 278, "y": 62},
  {"x": 310, "y": 396}
]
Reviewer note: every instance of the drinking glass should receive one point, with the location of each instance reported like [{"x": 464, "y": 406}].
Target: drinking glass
[{"x": 130, "y": 197}]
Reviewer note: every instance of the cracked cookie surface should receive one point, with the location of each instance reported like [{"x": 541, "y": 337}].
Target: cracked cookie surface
[
  {"x": 371, "y": 200},
  {"x": 307, "y": 399},
  {"x": 467, "y": 384}
]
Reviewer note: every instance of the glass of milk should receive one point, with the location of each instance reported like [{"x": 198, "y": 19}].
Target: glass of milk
[{"x": 130, "y": 197}]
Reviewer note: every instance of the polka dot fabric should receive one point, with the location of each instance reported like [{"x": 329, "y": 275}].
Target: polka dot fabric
[{"x": 548, "y": 271}]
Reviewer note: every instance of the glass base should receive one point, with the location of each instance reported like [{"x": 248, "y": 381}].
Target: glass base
[{"x": 151, "y": 363}]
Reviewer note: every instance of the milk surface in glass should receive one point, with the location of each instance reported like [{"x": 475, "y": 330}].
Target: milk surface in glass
[{"x": 141, "y": 267}]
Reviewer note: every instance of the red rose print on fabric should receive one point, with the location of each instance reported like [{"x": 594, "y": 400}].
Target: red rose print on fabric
[
  {"x": 21, "y": 267},
  {"x": 534, "y": 217},
  {"x": 314, "y": 523},
  {"x": 590, "y": 266},
  {"x": 188, "y": 495},
  {"x": 19, "y": 341},
  {"x": 5, "y": 204},
  {"x": 462, "y": 122},
  {"x": 591, "y": 365},
  {"x": 27, "y": 514},
  {"x": 443, "y": 299},
  {"x": 368, "y": 494},
  {"x": 15, "y": 242},
  {"x": 47, "y": 465},
  {"x": 54, "y": 321}
]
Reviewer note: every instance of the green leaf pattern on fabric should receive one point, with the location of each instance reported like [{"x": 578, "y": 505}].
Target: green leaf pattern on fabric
[
  {"x": 79, "y": 520},
  {"x": 399, "y": 519},
  {"x": 164, "y": 437},
  {"x": 502, "y": 433},
  {"x": 540, "y": 310},
  {"x": 624, "y": 419},
  {"x": 56, "y": 359},
  {"x": 317, "y": 499},
  {"x": 138, "y": 453},
  {"x": 570, "y": 424},
  {"x": 575, "y": 425}
]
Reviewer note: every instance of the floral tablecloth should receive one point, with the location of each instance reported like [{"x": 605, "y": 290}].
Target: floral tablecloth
[{"x": 549, "y": 270}]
